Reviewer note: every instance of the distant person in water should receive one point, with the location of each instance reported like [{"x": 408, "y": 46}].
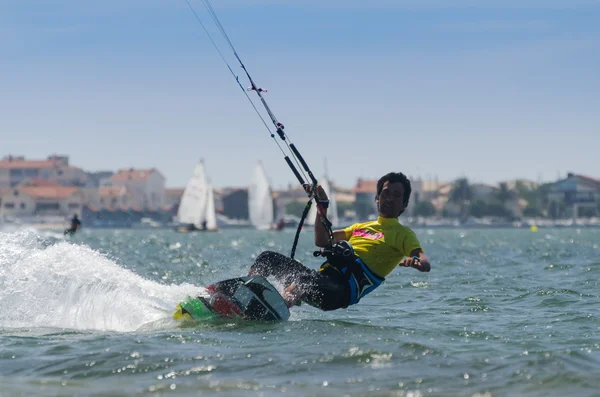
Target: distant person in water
[
  {"x": 279, "y": 225},
  {"x": 75, "y": 226},
  {"x": 360, "y": 257},
  {"x": 203, "y": 226}
]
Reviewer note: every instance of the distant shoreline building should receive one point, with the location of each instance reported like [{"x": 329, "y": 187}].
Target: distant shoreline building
[
  {"x": 41, "y": 199},
  {"x": 147, "y": 186},
  {"x": 52, "y": 187},
  {"x": 16, "y": 169}
]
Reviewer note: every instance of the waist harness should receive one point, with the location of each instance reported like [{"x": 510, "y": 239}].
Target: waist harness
[{"x": 361, "y": 280}]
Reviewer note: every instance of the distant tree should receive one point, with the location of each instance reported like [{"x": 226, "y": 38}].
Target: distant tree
[
  {"x": 363, "y": 207},
  {"x": 416, "y": 198},
  {"x": 504, "y": 194},
  {"x": 531, "y": 196},
  {"x": 537, "y": 199},
  {"x": 527, "y": 193},
  {"x": 505, "y": 197},
  {"x": 496, "y": 208},
  {"x": 343, "y": 207},
  {"x": 532, "y": 211},
  {"x": 542, "y": 196},
  {"x": 461, "y": 194},
  {"x": 295, "y": 207},
  {"x": 480, "y": 208},
  {"x": 424, "y": 208}
]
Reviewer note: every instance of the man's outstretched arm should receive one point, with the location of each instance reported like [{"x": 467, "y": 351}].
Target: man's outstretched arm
[{"x": 421, "y": 264}]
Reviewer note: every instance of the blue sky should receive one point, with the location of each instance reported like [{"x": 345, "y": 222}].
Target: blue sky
[{"x": 491, "y": 90}]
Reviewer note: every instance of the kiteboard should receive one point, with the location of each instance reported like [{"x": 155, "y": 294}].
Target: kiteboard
[{"x": 249, "y": 298}]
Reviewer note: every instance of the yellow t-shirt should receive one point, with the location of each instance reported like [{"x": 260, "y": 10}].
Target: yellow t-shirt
[{"x": 382, "y": 244}]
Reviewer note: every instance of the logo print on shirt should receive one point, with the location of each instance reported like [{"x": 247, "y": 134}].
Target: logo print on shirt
[{"x": 366, "y": 233}]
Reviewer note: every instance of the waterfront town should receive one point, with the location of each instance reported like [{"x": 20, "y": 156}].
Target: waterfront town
[{"x": 51, "y": 190}]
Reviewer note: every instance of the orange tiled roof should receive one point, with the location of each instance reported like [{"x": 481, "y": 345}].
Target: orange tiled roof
[
  {"x": 40, "y": 182},
  {"x": 589, "y": 178},
  {"x": 48, "y": 191},
  {"x": 113, "y": 191},
  {"x": 33, "y": 164},
  {"x": 178, "y": 191},
  {"x": 132, "y": 175},
  {"x": 366, "y": 186},
  {"x": 29, "y": 164}
]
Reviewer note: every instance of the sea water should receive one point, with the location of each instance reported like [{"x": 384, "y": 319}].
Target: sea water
[{"x": 502, "y": 312}]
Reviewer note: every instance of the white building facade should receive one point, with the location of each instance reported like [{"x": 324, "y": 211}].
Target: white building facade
[
  {"x": 147, "y": 187},
  {"x": 15, "y": 170},
  {"x": 41, "y": 201}
]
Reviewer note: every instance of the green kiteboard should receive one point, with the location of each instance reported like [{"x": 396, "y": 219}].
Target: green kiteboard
[{"x": 249, "y": 298}]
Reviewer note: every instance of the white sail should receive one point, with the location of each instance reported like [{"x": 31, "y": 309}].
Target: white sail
[
  {"x": 260, "y": 199},
  {"x": 193, "y": 202},
  {"x": 312, "y": 214},
  {"x": 332, "y": 213},
  {"x": 211, "y": 214}
]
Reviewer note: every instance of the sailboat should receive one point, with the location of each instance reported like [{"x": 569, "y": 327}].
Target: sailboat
[
  {"x": 332, "y": 212},
  {"x": 197, "y": 206},
  {"x": 260, "y": 199},
  {"x": 210, "y": 213}
]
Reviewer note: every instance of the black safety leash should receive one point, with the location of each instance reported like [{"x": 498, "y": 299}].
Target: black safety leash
[{"x": 279, "y": 127}]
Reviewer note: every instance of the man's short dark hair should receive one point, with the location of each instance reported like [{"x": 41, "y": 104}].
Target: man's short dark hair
[{"x": 394, "y": 177}]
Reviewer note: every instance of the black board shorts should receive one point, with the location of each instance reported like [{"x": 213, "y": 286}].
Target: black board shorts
[{"x": 326, "y": 289}]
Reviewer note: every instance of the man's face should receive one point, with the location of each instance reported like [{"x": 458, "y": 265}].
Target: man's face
[{"x": 390, "y": 201}]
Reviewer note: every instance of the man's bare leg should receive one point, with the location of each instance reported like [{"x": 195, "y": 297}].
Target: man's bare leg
[{"x": 291, "y": 295}]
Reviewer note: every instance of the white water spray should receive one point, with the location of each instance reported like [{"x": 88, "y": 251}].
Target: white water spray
[{"x": 72, "y": 286}]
